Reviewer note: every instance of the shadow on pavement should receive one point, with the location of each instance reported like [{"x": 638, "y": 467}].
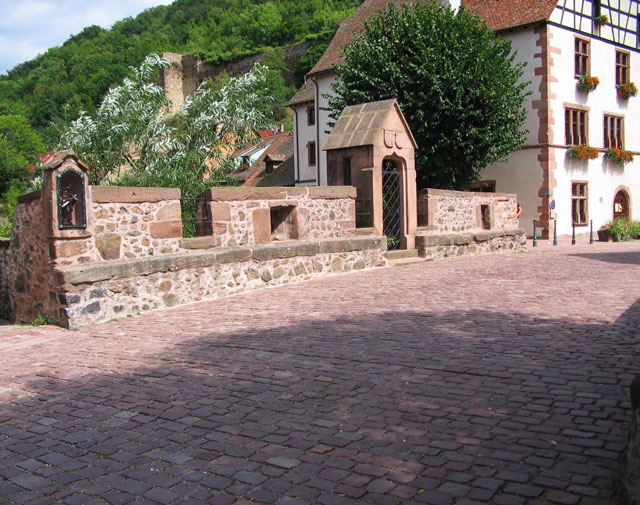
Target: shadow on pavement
[
  {"x": 404, "y": 407},
  {"x": 631, "y": 258}
]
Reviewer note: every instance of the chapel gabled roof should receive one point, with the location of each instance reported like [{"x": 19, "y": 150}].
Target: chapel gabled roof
[
  {"x": 364, "y": 125},
  {"x": 504, "y": 14}
]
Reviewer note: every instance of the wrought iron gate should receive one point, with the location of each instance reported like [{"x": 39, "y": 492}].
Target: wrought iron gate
[{"x": 391, "y": 204}]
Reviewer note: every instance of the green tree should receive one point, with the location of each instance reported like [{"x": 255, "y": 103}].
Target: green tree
[
  {"x": 19, "y": 149},
  {"x": 457, "y": 84},
  {"x": 129, "y": 142}
]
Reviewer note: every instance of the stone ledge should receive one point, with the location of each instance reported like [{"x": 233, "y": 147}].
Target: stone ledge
[
  {"x": 206, "y": 242},
  {"x": 463, "y": 194},
  {"x": 5, "y": 242},
  {"x": 29, "y": 197},
  {"x": 447, "y": 239},
  {"x": 89, "y": 273},
  {"x": 219, "y": 194},
  {"x": 123, "y": 194}
]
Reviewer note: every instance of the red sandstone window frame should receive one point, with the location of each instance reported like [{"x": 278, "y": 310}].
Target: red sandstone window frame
[
  {"x": 580, "y": 202},
  {"x": 613, "y": 131},
  {"x": 311, "y": 115},
  {"x": 623, "y": 67},
  {"x": 582, "y": 56},
  {"x": 576, "y": 125},
  {"x": 311, "y": 153}
]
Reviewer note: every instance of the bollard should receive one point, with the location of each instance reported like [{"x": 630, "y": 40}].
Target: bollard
[
  {"x": 555, "y": 232},
  {"x": 591, "y": 232},
  {"x": 535, "y": 238},
  {"x": 573, "y": 234}
]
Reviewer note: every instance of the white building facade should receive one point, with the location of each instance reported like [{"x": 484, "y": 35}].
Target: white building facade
[
  {"x": 559, "y": 40},
  {"x": 598, "y": 39}
]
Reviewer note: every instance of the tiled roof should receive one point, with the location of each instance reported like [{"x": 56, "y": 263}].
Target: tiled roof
[
  {"x": 499, "y": 14},
  {"x": 503, "y": 14},
  {"x": 347, "y": 31},
  {"x": 364, "y": 125},
  {"x": 305, "y": 94}
]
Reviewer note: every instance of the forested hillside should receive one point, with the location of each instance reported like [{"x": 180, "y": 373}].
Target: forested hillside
[{"x": 50, "y": 90}]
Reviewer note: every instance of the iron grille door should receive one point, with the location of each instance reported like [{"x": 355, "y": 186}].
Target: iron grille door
[{"x": 391, "y": 204}]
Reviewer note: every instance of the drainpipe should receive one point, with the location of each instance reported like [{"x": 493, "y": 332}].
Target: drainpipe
[
  {"x": 317, "y": 107},
  {"x": 296, "y": 158}
]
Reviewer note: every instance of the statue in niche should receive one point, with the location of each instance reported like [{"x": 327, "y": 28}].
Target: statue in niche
[{"x": 68, "y": 202}]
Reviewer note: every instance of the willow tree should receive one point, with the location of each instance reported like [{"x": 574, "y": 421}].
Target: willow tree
[{"x": 457, "y": 83}]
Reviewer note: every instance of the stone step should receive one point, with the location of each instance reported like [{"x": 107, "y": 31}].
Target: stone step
[
  {"x": 365, "y": 231},
  {"x": 402, "y": 254}
]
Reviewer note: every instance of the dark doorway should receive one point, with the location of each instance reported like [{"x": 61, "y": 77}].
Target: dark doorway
[{"x": 391, "y": 202}]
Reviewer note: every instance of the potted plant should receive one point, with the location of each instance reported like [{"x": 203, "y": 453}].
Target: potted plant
[
  {"x": 604, "y": 235},
  {"x": 627, "y": 90},
  {"x": 601, "y": 20},
  {"x": 588, "y": 83},
  {"x": 583, "y": 152},
  {"x": 618, "y": 156}
]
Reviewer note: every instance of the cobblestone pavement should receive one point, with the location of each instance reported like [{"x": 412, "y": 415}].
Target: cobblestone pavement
[{"x": 498, "y": 379}]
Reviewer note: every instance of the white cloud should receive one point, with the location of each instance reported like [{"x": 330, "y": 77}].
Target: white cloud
[{"x": 30, "y": 27}]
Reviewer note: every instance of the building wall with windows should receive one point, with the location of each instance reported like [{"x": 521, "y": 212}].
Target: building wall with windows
[{"x": 559, "y": 51}]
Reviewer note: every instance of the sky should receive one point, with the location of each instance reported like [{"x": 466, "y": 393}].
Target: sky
[{"x": 30, "y": 27}]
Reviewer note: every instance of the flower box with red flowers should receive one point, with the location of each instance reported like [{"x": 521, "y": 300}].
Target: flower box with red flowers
[
  {"x": 588, "y": 83},
  {"x": 582, "y": 152},
  {"x": 619, "y": 156},
  {"x": 627, "y": 89}
]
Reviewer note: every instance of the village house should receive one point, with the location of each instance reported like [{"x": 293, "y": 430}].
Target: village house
[{"x": 561, "y": 41}]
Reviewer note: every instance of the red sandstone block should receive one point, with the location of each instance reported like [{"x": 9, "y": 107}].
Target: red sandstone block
[{"x": 166, "y": 229}]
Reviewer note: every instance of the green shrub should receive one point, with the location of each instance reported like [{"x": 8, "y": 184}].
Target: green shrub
[{"x": 622, "y": 229}]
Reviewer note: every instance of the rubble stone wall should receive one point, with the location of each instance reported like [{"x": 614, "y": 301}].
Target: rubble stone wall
[
  {"x": 244, "y": 216},
  {"x": 469, "y": 244},
  {"x": 457, "y": 211},
  {"x": 25, "y": 285},
  {"x": 630, "y": 460},
  {"x": 103, "y": 291},
  {"x": 125, "y": 223}
]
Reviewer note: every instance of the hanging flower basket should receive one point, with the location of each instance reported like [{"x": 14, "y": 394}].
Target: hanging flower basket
[
  {"x": 627, "y": 89},
  {"x": 601, "y": 20},
  {"x": 588, "y": 83},
  {"x": 582, "y": 152},
  {"x": 619, "y": 156}
]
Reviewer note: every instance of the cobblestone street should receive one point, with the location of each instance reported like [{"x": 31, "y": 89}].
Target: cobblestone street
[{"x": 496, "y": 379}]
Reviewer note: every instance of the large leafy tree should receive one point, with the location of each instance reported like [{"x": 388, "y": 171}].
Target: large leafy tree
[
  {"x": 131, "y": 137},
  {"x": 131, "y": 141},
  {"x": 456, "y": 82}
]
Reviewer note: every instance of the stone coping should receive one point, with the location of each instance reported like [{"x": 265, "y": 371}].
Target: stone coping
[
  {"x": 30, "y": 197},
  {"x": 124, "y": 194},
  {"x": 223, "y": 194},
  {"x": 464, "y": 194},
  {"x": 447, "y": 239},
  {"x": 89, "y": 273}
]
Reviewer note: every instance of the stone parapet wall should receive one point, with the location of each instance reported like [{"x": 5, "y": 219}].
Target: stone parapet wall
[
  {"x": 97, "y": 292},
  {"x": 467, "y": 244},
  {"x": 457, "y": 211},
  {"x": 246, "y": 216},
  {"x": 24, "y": 260},
  {"x": 126, "y": 223}
]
